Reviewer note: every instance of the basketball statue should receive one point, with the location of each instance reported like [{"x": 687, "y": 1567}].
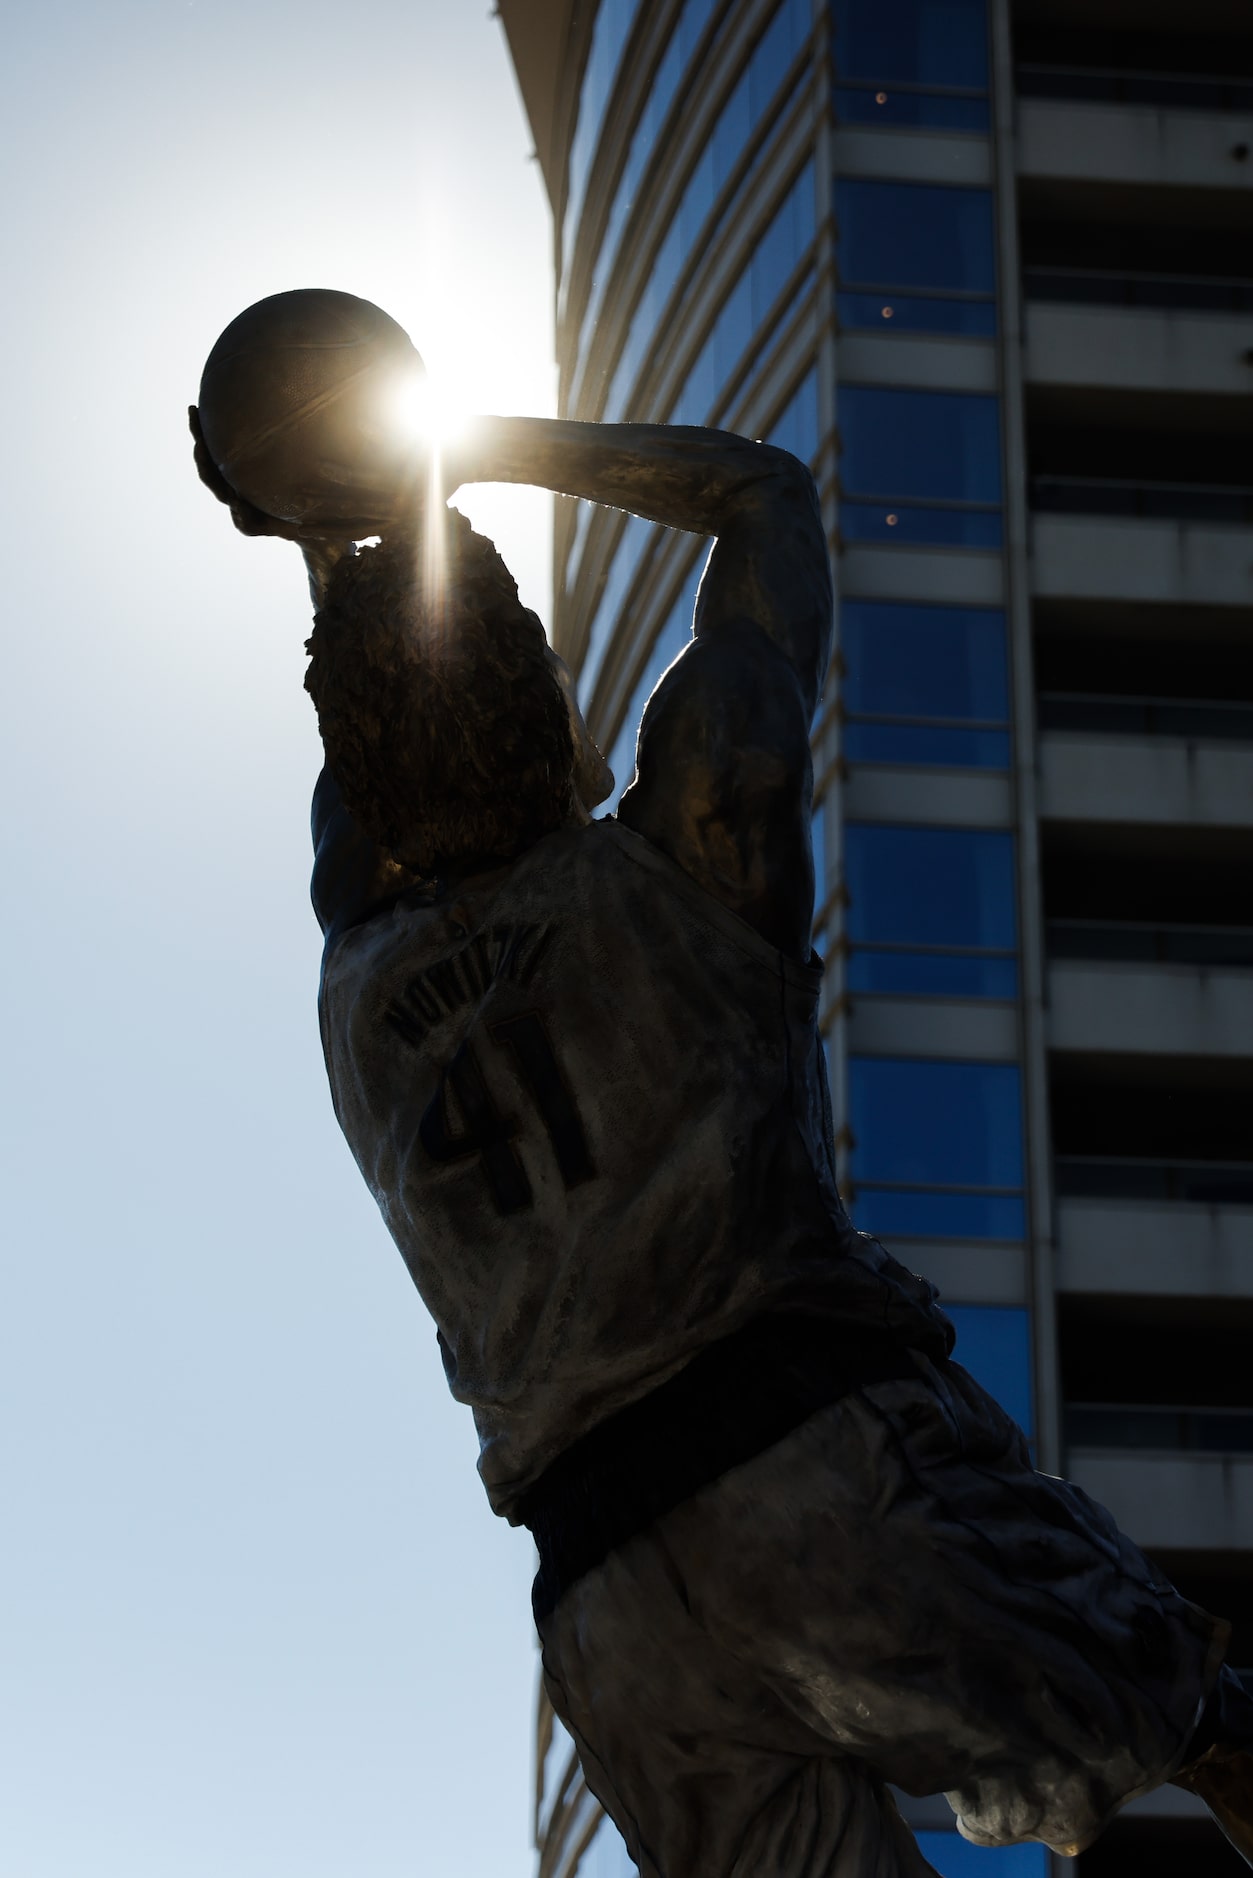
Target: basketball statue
[{"x": 790, "y": 1552}]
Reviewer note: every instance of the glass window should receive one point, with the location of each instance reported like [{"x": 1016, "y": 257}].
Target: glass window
[
  {"x": 994, "y": 1344},
  {"x": 819, "y": 833},
  {"x": 955, "y": 1857},
  {"x": 796, "y": 428},
  {"x": 634, "y": 543},
  {"x": 892, "y": 109},
  {"x": 924, "y": 661},
  {"x": 607, "y": 1856},
  {"x": 671, "y": 640},
  {"x": 915, "y": 235},
  {"x": 903, "y": 525},
  {"x": 779, "y": 251},
  {"x": 609, "y": 35},
  {"x": 916, "y": 313},
  {"x": 931, "y": 911},
  {"x": 930, "y": 886},
  {"x": 772, "y": 57},
  {"x": 933, "y": 1123},
  {"x": 901, "y": 1213},
  {"x": 924, "y": 445},
  {"x": 917, "y": 42},
  {"x": 924, "y": 684},
  {"x": 937, "y": 1147}
]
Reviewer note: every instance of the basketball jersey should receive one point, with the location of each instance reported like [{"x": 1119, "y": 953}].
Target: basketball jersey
[{"x": 592, "y": 1105}]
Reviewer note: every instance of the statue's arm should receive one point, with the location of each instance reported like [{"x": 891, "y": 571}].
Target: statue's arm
[
  {"x": 770, "y": 563},
  {"x": 723, "y": 779}
]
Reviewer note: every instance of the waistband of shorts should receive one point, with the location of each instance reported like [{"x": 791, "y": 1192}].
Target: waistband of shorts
[{"x": 734, "y": 1400}]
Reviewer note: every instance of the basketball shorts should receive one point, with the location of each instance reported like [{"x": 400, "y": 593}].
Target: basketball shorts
[{"x": 888, "y": 1595}]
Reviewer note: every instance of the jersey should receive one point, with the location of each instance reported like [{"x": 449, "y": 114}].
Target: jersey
[{"x": 592, "y": 1105}]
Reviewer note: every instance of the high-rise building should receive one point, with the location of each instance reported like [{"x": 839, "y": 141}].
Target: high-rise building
[{"x": 988, "y": 266}]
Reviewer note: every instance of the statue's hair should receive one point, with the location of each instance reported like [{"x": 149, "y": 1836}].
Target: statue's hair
[{"x": 445, "y": 726}]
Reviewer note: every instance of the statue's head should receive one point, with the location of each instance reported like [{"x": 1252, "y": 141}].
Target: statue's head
[{"x": 450, "y": 726}]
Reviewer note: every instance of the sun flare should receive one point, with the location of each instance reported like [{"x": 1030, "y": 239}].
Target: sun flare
[{"x": 429, "y": 414}]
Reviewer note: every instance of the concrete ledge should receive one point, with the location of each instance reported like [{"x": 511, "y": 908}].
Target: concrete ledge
[
  {"x": 1163, "y": 781},
  {"x": 1162, "y": 1010},
  {"x": 984, "y": 1029},
  {"x": 1139, "y": 144},
  {"x": 960, "y": 576},
  {"x": 1138, "y": 349},
  {"x": 953, "y": 798},
  {"x": 1177, "y": 1502},
  {"x": 1154, "y": 1249},
  {"x": 913, "y": 155},
  {"x": 903, "y": 359},
  {"x": 1095, "y": 557},
  {"x": 988, "y": 1273}
]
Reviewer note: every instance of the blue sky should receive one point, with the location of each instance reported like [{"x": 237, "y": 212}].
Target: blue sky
[{"x": 258, "y": 1618}]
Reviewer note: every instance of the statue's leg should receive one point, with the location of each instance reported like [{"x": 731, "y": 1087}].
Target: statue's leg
[
  {"x": 705, "y": 1772},
  {"x": 905, "y": 1584}
]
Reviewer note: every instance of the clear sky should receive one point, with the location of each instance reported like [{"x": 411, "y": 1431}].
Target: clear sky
[{"x": 255, "y": 1615}]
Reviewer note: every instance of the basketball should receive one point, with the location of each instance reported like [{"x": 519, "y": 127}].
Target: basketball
[{"x": 301, "y": 405}]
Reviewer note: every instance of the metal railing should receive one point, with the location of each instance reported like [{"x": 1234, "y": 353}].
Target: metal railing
[
  {"x": 1153, "y": 501},
  {"x": 1146, "y": 717},
  {"x": 1150, "y": 1425},
  {"x": 1128, "y": 1177},
  {"x": 1136, "y": 941},
  {"x": 1091, "y": 286},
  {"x": 1179, "y": 91}
]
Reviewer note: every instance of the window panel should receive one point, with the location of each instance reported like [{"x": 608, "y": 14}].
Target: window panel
[
  {"x": 609, "y": 36},
  {"x": 911, "y": 110},
  {"x": 903, "y": 525},
  {"x": 897, "y": 1213},
  {"x": 607, "y": 1856},
  {"x": 921, "y": 42},
  {"x": 932, "y": 975},
  {"x": 915, "y": 235},
  {"x": 772, "y": 56},
  {"x": 955, "y": 1857},
  {"x": 925, "y": 444},
  {"x": 930, "y": 886},
  {"x": 671, "y": 640},
  {"x": 796, "y": 428},
  {"x": 994, "y": 1344},
  {"x": 819, "y": 838},
  {"x": 733, "y": 330},
  {"x": 732, "y": 129},
  {"x": 936, "y": 1123},
  {"x": 634, "y": 543},
  {"x": 924, "y": 661},
  {"x": 916, "y": 313},
  {"x": 925, "y": 745}
]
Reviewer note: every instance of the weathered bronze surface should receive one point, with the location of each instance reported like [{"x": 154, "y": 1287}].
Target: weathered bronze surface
[{"x": 789, "y": 1550}]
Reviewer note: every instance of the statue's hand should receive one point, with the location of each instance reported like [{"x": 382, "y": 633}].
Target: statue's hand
[{"x": 248, "y": 519}]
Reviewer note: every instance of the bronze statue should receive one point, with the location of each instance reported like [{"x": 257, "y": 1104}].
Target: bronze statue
[{"x": 789, "y": 1550}]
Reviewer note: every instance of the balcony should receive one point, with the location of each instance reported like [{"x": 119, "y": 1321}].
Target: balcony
[
  {"x": 1154, "y": 1428},
  {"x": 1154, "y": 1229},
  {"x": 1135, "y": 288},
  {"x": 1164, "y": 781},
  {"x": 1108, "y": 348},
  {"x": 1142, "y": 941},
  {"x": 1177, "y": 91},
  {"x": 1171, "y": 1501},
  {"x": 1145, "y": 145},
  {"x": 1101, "y": 1007},
  {"x": 1134, "y": 560},
  {"x": 1129, "y": 1177}
]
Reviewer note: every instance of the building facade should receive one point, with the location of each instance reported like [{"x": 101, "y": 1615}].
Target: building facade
[{"x": 987, "y": 265}]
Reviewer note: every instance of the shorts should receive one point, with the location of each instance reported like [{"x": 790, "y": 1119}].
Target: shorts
[{"x": 890, "y": 1594}]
